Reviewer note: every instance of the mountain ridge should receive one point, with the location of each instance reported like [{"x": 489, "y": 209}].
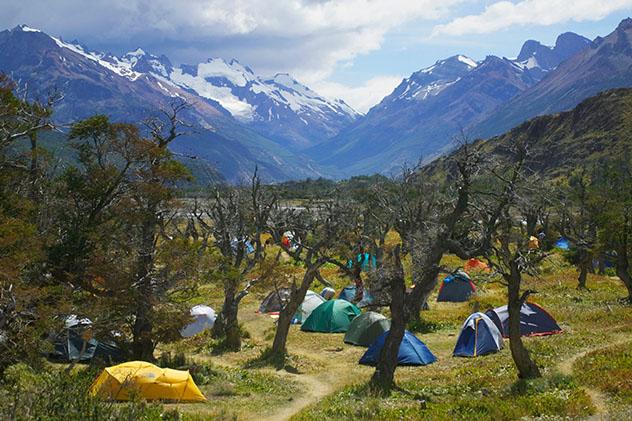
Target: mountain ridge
[
  {"x": 420, "y": 118},
  {"x": 134, "y": 86},
  {"x": 606, "y": 64},
  {"x": 598, "y": 129}
]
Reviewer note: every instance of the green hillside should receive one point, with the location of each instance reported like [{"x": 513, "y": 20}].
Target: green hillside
[{"x": 599, "y": 128}]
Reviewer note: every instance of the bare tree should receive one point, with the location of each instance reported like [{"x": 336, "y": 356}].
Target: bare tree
[
  {"x": 506, "y": 216},
  {"x": 576, "y": 221},
  {"x": 426, "y": 220},
  {"x": 232, "y": 221},
  {"x": 320, "y": 233}
]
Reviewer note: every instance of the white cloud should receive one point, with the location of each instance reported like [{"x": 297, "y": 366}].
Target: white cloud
[
  {"x": 505, "y": 14},
  {"x": 306, "y": 37},
  {"x": 363, "y": 97}
]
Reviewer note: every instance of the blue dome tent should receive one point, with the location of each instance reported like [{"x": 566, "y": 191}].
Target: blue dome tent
[
  {"x": 411, "y": 351},
  {"x": 562, "y": 243},
  {"x": 348, "y": 293},
  {"x": 479, "y": 336},
  {"x": 457, "y": 287}
]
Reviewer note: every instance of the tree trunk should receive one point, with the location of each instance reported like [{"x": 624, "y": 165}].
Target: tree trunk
[
  {"x": 585, "y": 264},
  {"x": 227, "y": 323},
  {"x": 581, "y": 279},
  {"x": 143, "y": 344},
  {"x": 527, "y": 369},
  {"x": 279, "y": 344},
  {"x": 602, "y": 265},
  {"x": 34, "y": 169},
  {"x": 382, "y": 380},
  {"x": 623, "y": 272}
]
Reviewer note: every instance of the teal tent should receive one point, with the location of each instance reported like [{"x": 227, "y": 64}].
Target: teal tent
[
  {"x": 367, "y": 262},
  {"x": 331, "y": 317}
]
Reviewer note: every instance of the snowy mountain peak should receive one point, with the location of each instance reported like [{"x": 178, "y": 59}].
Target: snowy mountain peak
[
  {"x": 136, "y": 53},
  {"x": 467, "y": 60},
  {"x": 287, "y": 81},
  {"x": 25, "y": 28},
  {"x": 543, "y": 58},
  {"x": 430, "y": 81},
  {"x": 281, "y": 107}
]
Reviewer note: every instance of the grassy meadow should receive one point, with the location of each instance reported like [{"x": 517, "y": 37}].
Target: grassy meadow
[{"x": 586, "y": 369}]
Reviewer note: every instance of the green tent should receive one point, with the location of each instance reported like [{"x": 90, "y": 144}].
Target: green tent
[
  {"x": 331, "y": 317},
  {"x": 366, "y": 328}
]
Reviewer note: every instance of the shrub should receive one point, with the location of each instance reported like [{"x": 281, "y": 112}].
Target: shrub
[{"x": 26, "y": 394}]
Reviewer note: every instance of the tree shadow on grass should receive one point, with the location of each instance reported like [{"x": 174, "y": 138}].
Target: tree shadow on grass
[{"x": 278, "y": 361}]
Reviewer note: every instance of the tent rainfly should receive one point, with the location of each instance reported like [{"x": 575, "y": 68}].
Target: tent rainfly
[
  {"x": 138, "y": 378},
  {"x": 275, "y": 301},
  {"x": 479, "y": 336},
  {"x": 75, "y": 343},
  {"x": 534, "y": 321},
  {"x": 411, "y": 351},
  {"x": 457, "y": 287},
  {"x": 310, "y": 302}
]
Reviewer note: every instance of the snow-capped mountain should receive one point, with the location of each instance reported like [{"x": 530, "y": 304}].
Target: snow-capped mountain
[
  {"x": 134, "y": 86},
  {"x": 430, "y": 81},
  {"x": 420, "y": 118},
  {"x": 604, "y": 64},
  {"x": 279, "y": 107},
  {"x": 540, "y": 59}
]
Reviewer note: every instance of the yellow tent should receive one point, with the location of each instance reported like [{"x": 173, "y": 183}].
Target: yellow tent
[{"x": 145, "y": 380}]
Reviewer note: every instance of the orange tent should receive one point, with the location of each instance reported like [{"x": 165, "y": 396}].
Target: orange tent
[{"x": 475, "y": 265}]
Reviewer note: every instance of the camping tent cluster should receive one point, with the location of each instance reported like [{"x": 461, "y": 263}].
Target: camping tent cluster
[{"x": 481, "y": 334}]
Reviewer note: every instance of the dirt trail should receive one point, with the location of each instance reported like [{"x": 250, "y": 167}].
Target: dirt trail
[
  {"x": 599, "y": 399},
  {"x": 314, "y": 390}
]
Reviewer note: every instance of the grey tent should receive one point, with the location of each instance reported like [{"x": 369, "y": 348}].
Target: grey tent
[
  {"x": 76, "y": 344},
  {"x": 366, "y": 328},
  {"x": 275, "y": 300}
]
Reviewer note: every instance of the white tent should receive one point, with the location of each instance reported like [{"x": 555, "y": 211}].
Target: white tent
[
  {"x": 311, "y": 301},
  {"x": 74, "y": 320},
  {"x": 204, "y": 319}
]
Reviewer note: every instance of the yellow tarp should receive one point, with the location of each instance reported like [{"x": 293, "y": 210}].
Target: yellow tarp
[
  {"x": 145, "y": 380},
  {"x": 534, "y": 243}
]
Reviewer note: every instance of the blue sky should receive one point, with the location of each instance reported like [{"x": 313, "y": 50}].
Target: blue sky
[
  {"x": 407, "y": 49},
  {"x": 358, "y": 50}
]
